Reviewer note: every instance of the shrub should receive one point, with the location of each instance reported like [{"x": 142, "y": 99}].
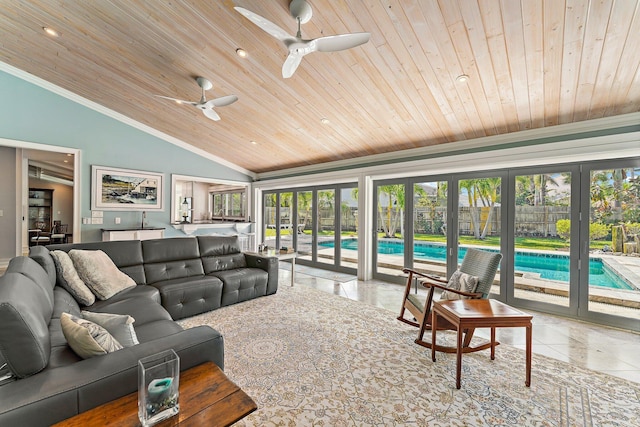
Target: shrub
[
  {"x": 632, "y": 227},
  {"x": 563, "y": 228},
  {"x": 597, "y": 231}
]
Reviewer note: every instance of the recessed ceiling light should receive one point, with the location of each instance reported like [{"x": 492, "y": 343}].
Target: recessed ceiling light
[
  {"x": 462, "y": 78},
  {"x": 254, "y": 143},
  {"x": 241, "y": 52},
  {"x": 324, "y": 121},
  {"x": 66, "y": 161},
  {"x": 50, "y": 31}
]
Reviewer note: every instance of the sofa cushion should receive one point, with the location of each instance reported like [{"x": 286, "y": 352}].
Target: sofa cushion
[
  {"x": 144, "y": 310},
  {"x": 34, "y": 271},
  {"x": 164, "y": 250},
  {"x": 99, "y": 273},
  {"x": 242, "y": 284},
  {"x": 25, "y": 312},
  {"x": 157, "y": 330},
  {"x": 190, "y": 296},
  {"x": 223, "y": 262},
  {"x": 218, "y": 245},
  {"x": 86, "y": 338},
  {"x": 120, "y": 326},
  {"x": 169, "y": 259},
  {"x": 40, "y": 254},
  {"x": 139, "y": 291},
  {"x": 68, "y": 278}
]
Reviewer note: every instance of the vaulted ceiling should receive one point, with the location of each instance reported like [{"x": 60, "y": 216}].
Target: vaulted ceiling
[{"x": 530, "y": 64}]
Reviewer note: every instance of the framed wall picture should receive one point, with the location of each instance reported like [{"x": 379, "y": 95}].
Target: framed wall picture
[{"x": 115, "y": 189}]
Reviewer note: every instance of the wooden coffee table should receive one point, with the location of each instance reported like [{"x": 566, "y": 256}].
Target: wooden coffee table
[
  {"x": 480, "y": 313},
  {"x": 207, "y": 398}
]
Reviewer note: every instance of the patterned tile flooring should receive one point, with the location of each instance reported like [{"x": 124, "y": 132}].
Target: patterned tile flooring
[{"x": 599, "y": 348}]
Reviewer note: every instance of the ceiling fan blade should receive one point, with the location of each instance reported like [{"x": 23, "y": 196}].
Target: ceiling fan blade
[
  {"x": 341, "y": 42},
  {"x": 265, "y": 25},
  {"x": 221, "y": 102},
  {"x": 179, "y": 101},
  {"x": 291, "y": 64},
  {"x": 211, "y": 114}
]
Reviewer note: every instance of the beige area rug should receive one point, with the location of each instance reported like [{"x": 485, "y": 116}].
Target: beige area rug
[{"x": 309, "y": 358}]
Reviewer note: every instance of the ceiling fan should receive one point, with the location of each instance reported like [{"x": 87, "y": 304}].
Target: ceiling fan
[
  {"x": 203, "y": 104},
  {"x": 297, "y": 46}
]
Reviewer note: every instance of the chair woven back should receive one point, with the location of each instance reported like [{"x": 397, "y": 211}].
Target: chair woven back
[{"x": 483, "y": 265}]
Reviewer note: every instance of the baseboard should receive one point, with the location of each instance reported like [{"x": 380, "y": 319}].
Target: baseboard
[{"x": 4, "y": 262}]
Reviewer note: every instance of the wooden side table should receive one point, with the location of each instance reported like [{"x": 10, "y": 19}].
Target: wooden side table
[
  {"x": 207, "y": 398},
  {"x": 480, "y": 313}
]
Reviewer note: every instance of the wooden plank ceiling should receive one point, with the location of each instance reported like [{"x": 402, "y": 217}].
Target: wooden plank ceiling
[{"x": 530, "y": 63}]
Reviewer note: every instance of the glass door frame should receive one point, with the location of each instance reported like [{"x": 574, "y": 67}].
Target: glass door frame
[
  {"x": 335, "y": 265},
  {"x": 408, "y": 228},
  {"x": 453, "y": 242},
  {"x": 574, "y": 256},
  {"x": 585, "y": 208}
]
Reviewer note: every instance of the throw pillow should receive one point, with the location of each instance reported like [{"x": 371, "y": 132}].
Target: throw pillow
[
  {"x": 460, "y": 282},
  {"x": 68, "y": 278},
  {"x": 118, "y": 325},
  {"x": 99, "y": 273},
  {"x": 86, "y": 338}
]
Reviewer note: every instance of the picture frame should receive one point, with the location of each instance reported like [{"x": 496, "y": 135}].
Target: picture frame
[{"x": 115, "y": 189}]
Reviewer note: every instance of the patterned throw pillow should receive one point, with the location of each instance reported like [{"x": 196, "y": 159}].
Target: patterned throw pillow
[
  {"x": 86, "y": 338},
  {"x": 460, "y": 282},
  {"x": 118, "y": 325},
  {"x": 68, "y": 278},
  {"x": 99, "y": 273}
]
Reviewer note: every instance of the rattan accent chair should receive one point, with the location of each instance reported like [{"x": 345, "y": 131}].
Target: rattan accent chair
[{"x": 479, "y": 263}]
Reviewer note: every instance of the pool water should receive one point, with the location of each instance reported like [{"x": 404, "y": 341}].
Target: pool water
[{"x": 548, "y": 266}]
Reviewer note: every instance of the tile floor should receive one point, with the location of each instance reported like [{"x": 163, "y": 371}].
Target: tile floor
[{"x": 599, "y": 348}]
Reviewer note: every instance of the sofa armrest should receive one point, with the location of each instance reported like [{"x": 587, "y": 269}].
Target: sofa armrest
[
  {"x": 57, "y": 394},
  {"x": 268, "y": 264}
]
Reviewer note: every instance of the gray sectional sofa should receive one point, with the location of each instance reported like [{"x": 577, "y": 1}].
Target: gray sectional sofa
[{"x": 175, "y": 278}]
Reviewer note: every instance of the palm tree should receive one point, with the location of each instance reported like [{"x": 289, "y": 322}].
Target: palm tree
[
  {"x": 395, "y": 208},
  {"x": 486, "y": 191},
  {"x": 305, "y": 202}
]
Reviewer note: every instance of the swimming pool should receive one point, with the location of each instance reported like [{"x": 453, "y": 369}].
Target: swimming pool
[{"x": 548, "y": 266}]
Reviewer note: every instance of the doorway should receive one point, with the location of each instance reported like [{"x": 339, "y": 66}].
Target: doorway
[{"x": 33, "y": 156}]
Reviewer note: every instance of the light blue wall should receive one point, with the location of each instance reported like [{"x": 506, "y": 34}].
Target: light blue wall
[{"x": 31, "y": 113}]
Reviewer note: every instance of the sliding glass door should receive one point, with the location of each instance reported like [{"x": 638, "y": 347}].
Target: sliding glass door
[
  {"x": 545, "y": 254},
  {"x": 348, "y": 227},
  {"x": 326, "y": 226},
  {"x": 479, "y": 217},
  {"x": 430, "y": 226},
  {"x": 569, "y": 234},
  {"x": 320, "y": 223},
  {"x": 613, "y": 275},
  {"x": 390, "y": 251},
  {"x": 305, "y": 225}
]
